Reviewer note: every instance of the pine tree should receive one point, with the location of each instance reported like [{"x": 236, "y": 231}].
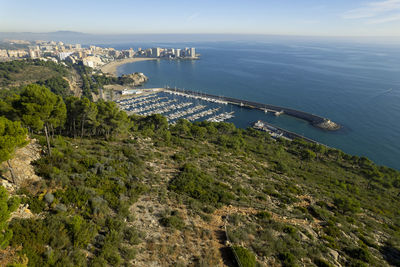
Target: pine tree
[
  {"x": 40, "y": 109},
  {"x": 12, "y": 136}
]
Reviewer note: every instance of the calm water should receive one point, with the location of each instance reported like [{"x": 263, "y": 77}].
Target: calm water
[{"x": 357, "y": 86}]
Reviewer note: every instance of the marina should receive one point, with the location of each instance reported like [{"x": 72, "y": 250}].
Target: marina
[
  {"x": 194, "y": 106},
  {"x": 315, "y": 120},
  {"x": 176, "y": 105}
]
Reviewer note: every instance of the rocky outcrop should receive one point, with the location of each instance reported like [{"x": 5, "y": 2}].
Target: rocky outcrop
[
  {"x": 21, "y": 166},
  {"x": 137, "y": 78},
  {"x": 328, "y": 125}
]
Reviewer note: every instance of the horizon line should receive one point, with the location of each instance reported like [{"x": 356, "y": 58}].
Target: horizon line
[{"x": 206, "y": 33}]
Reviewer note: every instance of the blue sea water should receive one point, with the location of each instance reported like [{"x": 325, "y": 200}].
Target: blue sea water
[{"x": 355, "y": 85}]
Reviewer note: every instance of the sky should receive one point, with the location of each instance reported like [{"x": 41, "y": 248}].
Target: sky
[{"x": 278, "y": 17}]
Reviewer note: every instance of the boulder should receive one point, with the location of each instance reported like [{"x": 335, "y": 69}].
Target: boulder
[
  {"x": 49, "y": 198},
  {"x": 61, "y": 207}
]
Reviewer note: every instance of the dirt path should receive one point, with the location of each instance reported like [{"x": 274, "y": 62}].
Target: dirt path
[{"x": 217, "y": 227}]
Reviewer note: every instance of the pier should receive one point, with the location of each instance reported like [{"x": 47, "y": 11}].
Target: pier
[
  {"x": 157, "y": 101},
  {"x": 277, "y": 132},
  {"x": 313, "y": 119}
]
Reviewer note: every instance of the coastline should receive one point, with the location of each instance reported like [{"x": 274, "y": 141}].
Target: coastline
[{"x": 111, "y": 67}]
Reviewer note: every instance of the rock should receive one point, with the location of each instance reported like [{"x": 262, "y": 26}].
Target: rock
[
  {"x": 135, "y": 78},
  {"x": 311, "y": 232},
  {"x": 61, "y": 207},
  {"x": 333, "y": 253},
  {"x": 328, "y": 125},
  {"x": 49, "y": 198},
  {"x": 21, "y": 164},
  {"x": 303, "y": 236}
]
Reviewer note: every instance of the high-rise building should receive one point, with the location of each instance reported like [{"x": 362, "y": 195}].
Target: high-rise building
[
  {"x": 192, "y": 52},
  {"x": 156, "y": 52},
  {"x": 32, "y": 53},
  {"x": 178, "y": 52},
  {"x": 64, "y": 55}
]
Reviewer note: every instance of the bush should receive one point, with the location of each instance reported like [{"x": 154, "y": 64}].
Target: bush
[
  {"x": 322, "y": 263},
  {"x": 198, "y": 185},
  {"x": 263, "y": 215},
  {"x": 246, "y": 258},
  {"x": 345, "y": 204},
  {"x": 288, "y": 229},
  {"x": 288, "y": 259},
  {"x": 132, "y": 235},
  {"x": 127, "y": 253},
  {"x": 173, "y": 221},
  {"x": 81, "y": 231},
  {"x": 359, "y": 254}
]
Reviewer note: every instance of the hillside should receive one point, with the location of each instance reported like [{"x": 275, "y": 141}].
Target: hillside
[
  {"x": 63, "y": 78},
  {"x": 161, "y": 197},
  {"x": 135, "y": 191}
]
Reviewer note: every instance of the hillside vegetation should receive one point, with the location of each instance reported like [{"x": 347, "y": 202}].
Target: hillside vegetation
[
  {"x": 135, "y": 191},
  {"x": 64, "y": 79}
]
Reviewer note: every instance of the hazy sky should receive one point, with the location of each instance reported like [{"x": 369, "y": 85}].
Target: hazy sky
[{"x": 293, "y": 17}]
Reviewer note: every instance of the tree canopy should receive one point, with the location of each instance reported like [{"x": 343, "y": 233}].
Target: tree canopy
[
  {"x": 38, "y": 107},
  {"x": 12, "y": 136}
]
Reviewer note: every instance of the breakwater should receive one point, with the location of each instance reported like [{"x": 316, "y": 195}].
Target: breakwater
[
  {"x": 315, "y": 120},
  {"x": 277, "y": 132}
]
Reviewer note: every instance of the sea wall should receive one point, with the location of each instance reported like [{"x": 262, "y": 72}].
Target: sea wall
[{"x": 315, "y": 120}]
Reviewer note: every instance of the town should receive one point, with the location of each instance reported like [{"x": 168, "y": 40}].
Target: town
[{"x": 91, "y": 56}]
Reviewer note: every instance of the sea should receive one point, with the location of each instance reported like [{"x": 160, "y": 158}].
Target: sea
[{"x": 354, "y": 84}]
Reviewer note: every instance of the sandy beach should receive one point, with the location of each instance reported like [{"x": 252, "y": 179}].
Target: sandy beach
[{"x": 112, "y": 66}]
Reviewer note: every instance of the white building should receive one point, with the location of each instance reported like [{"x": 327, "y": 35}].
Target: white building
[
  {"x": 156, "y": 52},
  {"x": 178, "y": 52},
  {"x": 130, "y": 92},
  {"x": 64, "y": 55},
  {"x": 92, "y": 61},
  {"x": 193, "y": 52}
]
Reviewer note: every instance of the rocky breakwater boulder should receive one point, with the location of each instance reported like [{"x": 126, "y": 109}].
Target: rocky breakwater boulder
[
  {"x": 135, "y": 79},
  {"x": 21, "y": 165},
  {"x": 328, "y": 125}
]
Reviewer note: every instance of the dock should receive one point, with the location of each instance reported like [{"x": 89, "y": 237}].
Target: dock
[
  {"x": 277, "y": 132},
  {"x": 149, "y": 102},
  {"x": 313, "y": 119}
]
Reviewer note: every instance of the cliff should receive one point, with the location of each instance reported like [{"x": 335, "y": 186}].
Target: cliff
[{"x": 135, "y": 79}]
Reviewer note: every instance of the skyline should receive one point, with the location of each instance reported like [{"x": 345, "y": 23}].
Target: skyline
[{"x": 308, "y": 18}]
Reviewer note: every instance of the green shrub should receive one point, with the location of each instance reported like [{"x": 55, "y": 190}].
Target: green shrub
[
  {"x": 359, "y": 253},
  {"x": 288, "y": 259},
  {"x": 173, "y": 221},
  {"x": 345, "y": 204},
  {"x": 288, "y": 229},
  {"x": 322, "y": 263},
  {"x": 198, "y": 185},
  {"x": 246, "y": 258},
  {"x": 263, "y": 215},
  {"x": 81, "y": 231},
  {"x": 127, "y": 253},
  {"x": 132, "y": 235},
  {"x": 35, "y": 205}
]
